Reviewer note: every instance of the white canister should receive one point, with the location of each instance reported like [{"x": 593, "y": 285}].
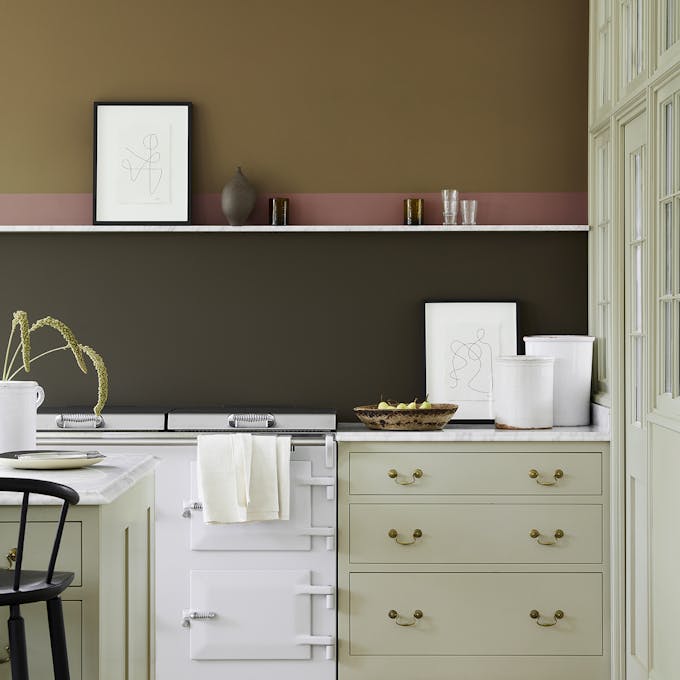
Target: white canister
[
  {"x": 573, "y": 368},
  {"x": 523, "y": 392},
  {"x": 19, "y": 401}
]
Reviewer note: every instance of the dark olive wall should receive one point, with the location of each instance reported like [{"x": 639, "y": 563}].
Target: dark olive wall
[
  {"x": 293, "y": 319},
  {"x": 311, "y": 96}
]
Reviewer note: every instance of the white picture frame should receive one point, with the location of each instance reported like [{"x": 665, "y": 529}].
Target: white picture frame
[
  {"x": 142, "y": 163},
  {"x": 461, "y": 341}
]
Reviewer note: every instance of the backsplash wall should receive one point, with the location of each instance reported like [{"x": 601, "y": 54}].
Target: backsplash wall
[
  {"x": 312, "y": 98},
  {"x": 300, "y": 319}
]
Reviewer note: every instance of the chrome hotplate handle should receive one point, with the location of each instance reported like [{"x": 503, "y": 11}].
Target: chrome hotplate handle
[
  {"x": 251, "y": 421},
  {"x": 66, "y": 420}
]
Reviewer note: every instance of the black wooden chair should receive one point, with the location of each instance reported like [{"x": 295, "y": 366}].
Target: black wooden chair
[{"x": 22, "y": 586}]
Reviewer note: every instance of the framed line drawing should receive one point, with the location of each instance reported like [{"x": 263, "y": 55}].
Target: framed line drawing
[
  {"x": 461, "y": 341},
  {"x": 142, "y": 163}
]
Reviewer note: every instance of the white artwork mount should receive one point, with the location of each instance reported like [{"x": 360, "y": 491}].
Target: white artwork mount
[
  {"x": 142, "y": 168},
  {"x": 461, "y": 341}
]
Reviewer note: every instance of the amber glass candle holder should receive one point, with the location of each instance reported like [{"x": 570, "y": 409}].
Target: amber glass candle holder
[
  {"x": 278, "y": 212},
  {"x": 413, "y": 211}
]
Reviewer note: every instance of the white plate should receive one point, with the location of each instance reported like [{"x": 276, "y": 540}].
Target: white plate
[{"x": 10, "y": 459}]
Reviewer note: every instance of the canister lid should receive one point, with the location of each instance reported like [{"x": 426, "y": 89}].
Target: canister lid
[
  {"x": 560, "y": 338},
  {"x": 523, "y": 359}
]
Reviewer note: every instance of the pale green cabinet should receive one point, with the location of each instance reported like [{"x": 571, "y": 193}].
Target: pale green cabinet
[
  {"x": 476, "y": 560},
  {"x": 108, "y": 608}
]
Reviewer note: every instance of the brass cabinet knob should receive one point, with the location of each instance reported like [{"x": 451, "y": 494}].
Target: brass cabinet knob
[
  {"x": 543, "y": 540},
  {"x": 11, "y": 557},
  {"x": 416, "y": 474},
  {"x": 394, "y": 614},
  {"x": 536, "y": 615},
  {"x": 534, "y": 474},
  {"x": 393, "y": 533}
]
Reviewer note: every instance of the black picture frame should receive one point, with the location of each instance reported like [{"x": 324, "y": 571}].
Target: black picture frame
[{"x": 117, "y": 201}]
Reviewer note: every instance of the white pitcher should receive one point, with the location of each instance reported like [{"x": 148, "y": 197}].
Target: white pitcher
[{"x": 19, "y": 401}]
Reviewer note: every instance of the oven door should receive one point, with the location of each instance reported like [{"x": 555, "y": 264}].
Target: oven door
[{"x": 253, "y": 614}]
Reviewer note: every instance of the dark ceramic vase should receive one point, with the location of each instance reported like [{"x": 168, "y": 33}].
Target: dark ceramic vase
[{"x": 238, "y": 199}]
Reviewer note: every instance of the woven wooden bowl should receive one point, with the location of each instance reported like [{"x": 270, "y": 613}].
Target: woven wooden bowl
[{"x": 434, "y": 418}]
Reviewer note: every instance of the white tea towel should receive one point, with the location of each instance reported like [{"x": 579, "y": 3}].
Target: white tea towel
[
  {"x": 283, "y": 461},
  {"x": 224, "y": 470},
  {"x": 264, "y": 485}
]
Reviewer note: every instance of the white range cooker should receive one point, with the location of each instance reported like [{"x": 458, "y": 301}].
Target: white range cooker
[{"x": 251, "y": 601}]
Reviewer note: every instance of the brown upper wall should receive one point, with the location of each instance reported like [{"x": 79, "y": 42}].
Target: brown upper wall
[{"x": 308, "y": 95}]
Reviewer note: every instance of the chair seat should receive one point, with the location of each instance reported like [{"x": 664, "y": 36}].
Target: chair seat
[{"x": 33, "y": 587}]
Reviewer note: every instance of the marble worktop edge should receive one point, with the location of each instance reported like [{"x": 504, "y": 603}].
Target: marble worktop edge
[
  {"x": 351, "y": 432},
  {"x": 97, "y": 485}
]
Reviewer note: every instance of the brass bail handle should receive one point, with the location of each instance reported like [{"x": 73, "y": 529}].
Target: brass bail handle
[
  {"x": 536, "y": 615},
  {"x": 11, "y": 558},
  {"x": 396, "y": 616},
  {"x": 544, "y": 540},
  {"x": 393, "y": 533},
  {"x": 416, "y": 474},
  {"x": 558, "y": 474}
]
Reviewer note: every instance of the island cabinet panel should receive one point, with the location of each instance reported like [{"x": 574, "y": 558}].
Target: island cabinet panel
[
  {"x": 475, "y": 560},
  {"x": 108, "y": 607}
]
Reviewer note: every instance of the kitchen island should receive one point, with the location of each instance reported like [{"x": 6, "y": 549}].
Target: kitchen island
[{"x": 108, "y": 543}]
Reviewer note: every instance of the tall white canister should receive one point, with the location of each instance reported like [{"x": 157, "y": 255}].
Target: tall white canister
[
  {"x": 523, "y": 392},
  {"x": 573, "y": 367}
]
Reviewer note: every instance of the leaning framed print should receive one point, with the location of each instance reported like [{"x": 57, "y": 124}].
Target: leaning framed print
[
  {"x": 142, "y": 163},
  {"x": 461, "y": 341}
]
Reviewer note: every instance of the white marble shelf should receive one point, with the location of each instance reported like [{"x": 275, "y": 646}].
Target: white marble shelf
[
  {"x": 97, "y": 485},
  {"x": 292, "y": 229},
  {"x": 351, "y": 432}
]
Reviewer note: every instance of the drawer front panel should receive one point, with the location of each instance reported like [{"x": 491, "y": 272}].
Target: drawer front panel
[
  {"x": 475, "y": 614},
  {"x": 475, "y": 473},
  {"x": 38, "y": 546},
  {"x": 475, "y": 533}
]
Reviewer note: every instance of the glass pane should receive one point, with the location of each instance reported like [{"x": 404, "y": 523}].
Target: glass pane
[
  {"x": 670, "y": 23},
  {"x": 639, "y": 59},
  {"x": 637, "y": 289},
  {"x": 603, "y": 68},
  {"x": 667, "y": 354},
  {"x": 603, "y": 248},
  {"x": 637, "y": 379},
  {"x": 602, "y": 342},
  {"x": 668, "y": 152},
  {"x": 603, "y": 171},
  {"x": 637, "y": 195},
  {"x": 667, "y": 246}
]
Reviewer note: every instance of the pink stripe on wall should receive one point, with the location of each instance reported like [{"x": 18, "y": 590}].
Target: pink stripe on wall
[{"x": 327, "y": 209}]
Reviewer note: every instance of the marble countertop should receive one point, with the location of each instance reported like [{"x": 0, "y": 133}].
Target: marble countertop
[
  {"x": 97, "y": 485},
  {"x": 356, "y": 432}
]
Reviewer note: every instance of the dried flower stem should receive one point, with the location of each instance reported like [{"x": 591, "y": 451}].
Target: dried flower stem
[
  {"x": 5, "y": 369},
  {"x": 49, "y": 351},
  {"x": 102, "y": 378},
  {"x": 66, "y": 333}
]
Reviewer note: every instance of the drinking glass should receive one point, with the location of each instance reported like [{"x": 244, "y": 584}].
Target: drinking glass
[
  {"x": 468, "y": 212},
  {"x": 450, "y": 205}
]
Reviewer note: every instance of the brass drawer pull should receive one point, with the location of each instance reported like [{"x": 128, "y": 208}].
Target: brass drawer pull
[
  {"x": 393, "y": 614},
  {"x": 544, "y": 540},
  {"x": 558, "y": 474},
  {"x": 416, "y": 474},
  {"x": 393, "y": 533},
  {"x": 11, "y": 557},
  {"x": 535, "y": 614}
]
